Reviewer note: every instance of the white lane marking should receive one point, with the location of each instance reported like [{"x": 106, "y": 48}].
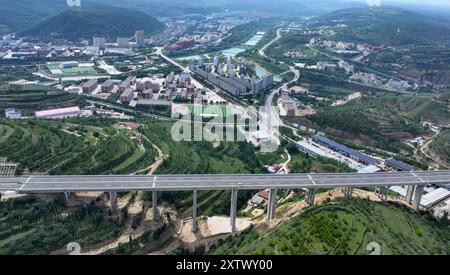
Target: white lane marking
[
  {"x": 418, "y": 177},
  {"x": 309, "y": 176},
  {"x": 29, "y": 178},
  {"x": 154, "y": 182}
]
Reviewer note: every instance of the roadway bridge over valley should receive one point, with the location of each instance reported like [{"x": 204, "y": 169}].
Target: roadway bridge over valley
[{"x": 415, "y": 181}]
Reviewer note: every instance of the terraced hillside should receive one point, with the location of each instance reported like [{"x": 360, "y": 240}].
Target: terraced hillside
[
  {"x": 30, "y": 98},
  {"x": 440, "y": 147},
  {"x": 346, "y": 227},
  {"x": 28, "y": 226},
  {"x": 432, "y": 108},
  {"x": 202, "y": 158},
  {"x": 65, "y": 148},
  {"x": 369, "y": 122}
]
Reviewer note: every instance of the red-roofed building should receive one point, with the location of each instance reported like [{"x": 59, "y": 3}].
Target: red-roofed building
[
  {"x": 129, "y": 125},
  {"x": 264, "y": 194}
]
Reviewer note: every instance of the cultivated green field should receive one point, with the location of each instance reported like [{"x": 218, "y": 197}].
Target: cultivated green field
[
  {"x": 68, "y": 148},
  {"x": 28, "y": 226},
  {"x": 201, "y": 158},
  {"x": 440, "y": 147},
  {"x": 31, "y": 98},
  {"x": 208, "y": 110},
  {"x": 346, "y": 227},
  {"x": 370, "y": 123}
]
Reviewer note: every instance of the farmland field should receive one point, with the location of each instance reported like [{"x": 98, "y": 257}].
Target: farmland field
[
  {"x": 345, "y": 227},
  {"x": 31, "y": 98},
  {"x": 63, "y": 148}
]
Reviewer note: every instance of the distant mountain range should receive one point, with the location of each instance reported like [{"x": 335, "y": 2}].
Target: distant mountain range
[
  {"x": 386, "y": 25},
  {"x": 20, "y": 15},
  {"x": 182, "y": 7},
  {"x": 94, "y": 20}
]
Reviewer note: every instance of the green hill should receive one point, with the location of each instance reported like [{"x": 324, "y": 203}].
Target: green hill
[
  {"x": 369, "y": 122},
  {"x": 382, "y": 25},
  {"x": 345, "y": 227},
  {"x": 418, "y": 108},
  {"x": 18, "y": 15},
  {"x": 440, "y": 147},
  {"x": 87, "y": 22}
]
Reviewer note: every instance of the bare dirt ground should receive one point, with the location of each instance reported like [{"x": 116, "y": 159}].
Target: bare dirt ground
[
  {"x": 135, "y": 207},
  {"x": 210, "y": 226}
]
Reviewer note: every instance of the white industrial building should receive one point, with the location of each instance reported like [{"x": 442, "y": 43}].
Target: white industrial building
[
  {"x": 12, "y": 113},
  {"x": 59, "y": 113}
]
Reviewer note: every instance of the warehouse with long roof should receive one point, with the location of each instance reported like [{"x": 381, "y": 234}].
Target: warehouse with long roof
[{"x": 356, "y": 155}]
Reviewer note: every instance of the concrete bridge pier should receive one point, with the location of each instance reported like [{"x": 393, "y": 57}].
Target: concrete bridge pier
[
  {"x": 310, "y": 196},
  {"x": 409, "y": 194},
  {"x": 418, "y": 197},
  {"x": 348, "y": 191},
  {"x": 272, "y": 206},
  {"x": 194, "y": 211},
  {"x": 67, "y": 195},
  {"x": 383, "y": 194},
  {"x": 112, "y": 200},
  {"x": 155, "y": 206},
  {"x": 233, "y": 210}
]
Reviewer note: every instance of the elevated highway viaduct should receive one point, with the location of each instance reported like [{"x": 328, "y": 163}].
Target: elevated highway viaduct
[{"x": 414, "y": 181}]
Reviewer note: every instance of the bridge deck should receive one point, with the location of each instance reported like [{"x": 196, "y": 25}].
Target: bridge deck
[{"x": 54, "y": 184}]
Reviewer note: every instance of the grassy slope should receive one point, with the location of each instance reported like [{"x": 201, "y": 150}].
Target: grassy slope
[
  {"x": 43, "y": 146},
  {"x": 441, "y": 146},
  {"x": 31, "y": 227},
  {"x": 90, "y": 21},
  {"x": 346, "y": 227},
  {"x": 202, "y": 158},
  {"x": 20, "y": 14},
  {"x": 29, "y": 99},
  {"x": 368, "y": 118},
  {"x": 380, "y": 26}
]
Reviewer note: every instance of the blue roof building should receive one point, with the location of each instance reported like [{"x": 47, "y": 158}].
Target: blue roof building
[{"x": 363, "y": 158}]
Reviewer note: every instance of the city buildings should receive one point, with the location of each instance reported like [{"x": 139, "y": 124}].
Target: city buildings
[
  {"x": 89, "y": 86},
  {"x": 108, "y": 86},
  {"x": 324, "y": 66},
  {"x": 231, "y": 85},
  {"x": 226, "y": 77},
  {"x": 259, "y": 86},
  {"x": 123, "y": 42},
  {"x": 127, "y": 96},
  {"x": 99, "y": 42},
  {"x": 400, "y": 85},
  {"x": 364, "y": 78},
  {"x": 139, "y": 36},
  {"x": 349, "y": 69}
]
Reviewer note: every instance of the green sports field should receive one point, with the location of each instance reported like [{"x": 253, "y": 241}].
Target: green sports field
[
  {"x": 55, "y": 69},
  {"x": 213, "y": 110}
]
